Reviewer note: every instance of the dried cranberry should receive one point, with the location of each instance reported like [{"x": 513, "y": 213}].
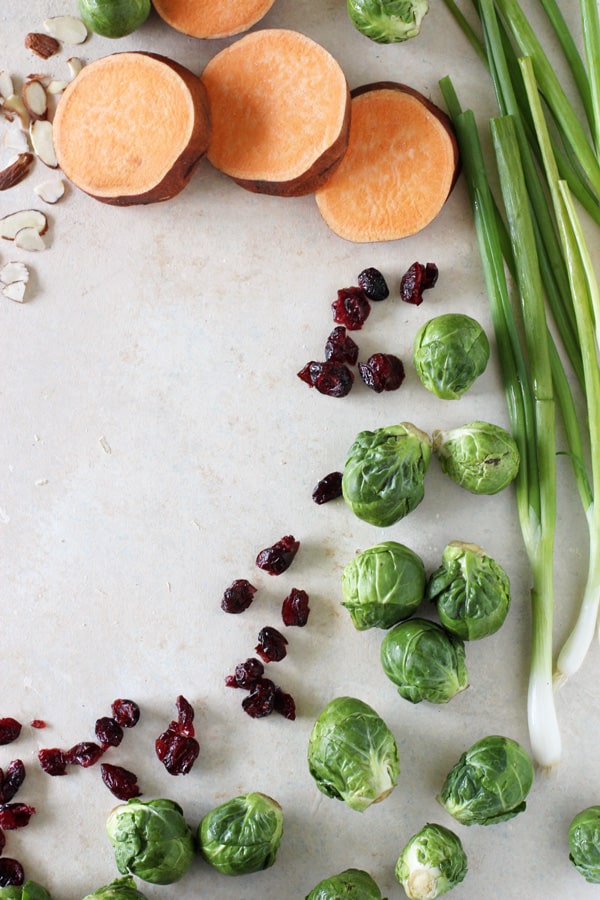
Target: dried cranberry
[
  {"x": 351, "y": 308},
  {"x": 10, "y": 730},
  {"x": 84, "y": 754},
  {"x": 108, "y": 732},
  {"x": 382, "y": 372},
  {"x": 185, "y": 717},
  {"x": 417, "y": 279},
  {"x": 120, "y": 782},
  {"x": 53, "y": 761},
  {"x": 125, "y": 712},
  {"x": 295, "y": 609},
  {"x": 279, "y": 557},
  {"x": 11, "y": 872},
  {"x": 238, "y": 596},
  {"x": 261, "y": 699},
  {"x": 328, "y": 488},
  {"x": 271, "y": 645},
  {"x": 373, "y": 284},
  {"x": 284, "y": 704},
  {"x": 177, "y": 752},
  {"x": 246, "y": 674},
  {"x": 340, "y": 347},
  {"x": 15, "y": 815},
  {"x": 330, "y": 378},
  {"x": 11, "y": 780},
  {"x": 38, "y": 723}
]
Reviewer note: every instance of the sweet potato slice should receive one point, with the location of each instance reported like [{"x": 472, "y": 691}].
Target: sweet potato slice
[
  {"x": 212, "y": 18},
  {"x": 399, "y": 169},
  {"x": 131, "y": 128},
  {"x": 280, "y": 110}
]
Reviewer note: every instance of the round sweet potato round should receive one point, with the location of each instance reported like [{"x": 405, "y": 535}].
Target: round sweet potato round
[{"x": 211, "y": 18}]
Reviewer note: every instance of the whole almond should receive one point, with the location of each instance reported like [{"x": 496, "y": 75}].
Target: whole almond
[{"x": 43, "y": 45}]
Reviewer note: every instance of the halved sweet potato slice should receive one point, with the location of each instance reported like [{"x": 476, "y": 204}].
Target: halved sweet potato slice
[
  {"x": 401, "y": 164},
  {"x": 280, "y": 110},
  {"x": 212, "y": 18},
  {"x": 131, "y": 128}
]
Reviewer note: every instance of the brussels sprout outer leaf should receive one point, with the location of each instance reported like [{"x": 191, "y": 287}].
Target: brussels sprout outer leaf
[
  {"x": 119, "y": 889},
  {"x": 351, "y": 884},
  {"x": 388, "y": 21},
  {"x": 30, "y": 890},
  {"x": 584, "y": 843},
  {"x": 242, "y": 835},
  {"x": 431, "y": 863},
  {"x": 449, "y": 353},
  {"x": 383, "y": 585},
  {"x": 481, "y": 457},
  {"x": 424, "y": 661},
  {"x": 352, "y": 754},
  {"x": 489, "y": 783},
  {"x": 113, "y": 18}
]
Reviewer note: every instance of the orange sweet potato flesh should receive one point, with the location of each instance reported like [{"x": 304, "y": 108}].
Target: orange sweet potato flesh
[
  {"x": 400, "y": 167},
  {"x": 212, "y": 18},
  {"x": 131, "y": 128},
  {"x": 280, "y": 110}
]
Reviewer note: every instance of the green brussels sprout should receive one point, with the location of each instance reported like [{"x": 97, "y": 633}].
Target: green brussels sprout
[
  {"x": 351, "y": 884},
  {"x": 352, "y": 754},
  {"x": 151, "y": 840},
  {"x": 114, "y": 18},
  {"x": 584, "y": 843},
  {"x": 471, "y": 590},
  {"x": 242, "y": 835},
  {"x": 119, "y": 889},
  {"x": 30, "y": 890},
  {"x": 431, "y": 863},
  {"x": 481, "y": 457},
  {"x": 424, "y": 661},
  {"x": 489, "y": 783},
  {"x": 388, "y": 21},
  {"x": 449, "y": 353},
  {"x": 383, "y": 475},
  {"x": 383, "y": 585}
]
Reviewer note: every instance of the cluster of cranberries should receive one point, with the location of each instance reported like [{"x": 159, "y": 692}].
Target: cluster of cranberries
[
  {"x": 177, "y": 746},
  {"x": 264, "y": 696},
  {"x": 12, "y": 814}
]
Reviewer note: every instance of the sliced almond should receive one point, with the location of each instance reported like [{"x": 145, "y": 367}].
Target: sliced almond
[
  {"x": 16, "y": 171},
  {"x": 15, "y": 291},
  {"x": 12, "y": 107},
  {"x": 43, "y": 45},
  {"x": 68, "y": 29},
  {"x": 14, "y": 138},
  {"x": 14, "y": 271},
  {"x": 11, "y": 224},
  {"x": 75, "y": 66},
  {"x": 35, "y": 99},
  {"x": 42, "y": 141},
  {"x": 29, "y": 239},
  {"x": 56, "y": 86},
  {"x": 51, "y": 191},
  {"x": 6, "y": 84}
]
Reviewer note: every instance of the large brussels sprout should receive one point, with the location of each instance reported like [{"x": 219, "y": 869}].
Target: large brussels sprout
[
  {"x": 114, "y": 18},
  {"x": 30, "y": 890},
  {"x": 384, "y": 471},
  {"x": 119, "y": 889},
  {"x": 383, "y": 585},
  {"x": 450, "y": 352},
  {"x": 489, "y": 783},
  {"x": 471, "y": 591},
  {"x": 431, "y": 863},
  {"x": 351, "y": 884},
  {"x": 584, "y": 843},
  {"x": 481, "y": 457},
  {"x": 424, "y": 661},
  {"x": 242, "y": 835},
  {"x": 388, "y": 21},
  {"x": 352, "y": 754},
  {"x": 151, "y": 839}
]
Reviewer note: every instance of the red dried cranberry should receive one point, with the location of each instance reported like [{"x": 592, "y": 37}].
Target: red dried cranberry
[
  {"x": 108, "y": 732},
  {"x": 84, "y": 754},
  {"x": 11, "y": 872},
  {"x": 417, "y": 279},
  {"x": 295, "y": 609},
  {"x": 38, "y": 723},
  {"x": 177, "y": 752},
  {"x": 120, "y": 782},
  {"x": 329, "y": 378},
  {"x": 11, "y": 780},
  {"x": 261, "y": 699},
  {"x": 238, "y": 596},
  {"x": 271, "y": 645},
  {"x": 125, "y": 712},
  {"x": 328, "y": 488},
  {"x": 284, "y": 704},
  {"x": 351, "y": 308},
  {"x": 340, "y": 347},
  {"x": 246, "y": 674},
  {"x": 53, "y": 761},
  {"x": 373, "y": 284},
  {"x": 279, "y": 557},
  {"x": 185, "y": 717},
  {"x": 15, "y": 815},
  {"x": 10, "y": 730},
  {"x": 382, "y": 372}
]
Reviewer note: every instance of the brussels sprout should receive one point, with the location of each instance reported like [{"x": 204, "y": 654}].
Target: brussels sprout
[
  {"x": 242, "y": 835},
  {"x": 30, "y": 890},
  {"x": 351, "y": 884},
  {"x": 352, "y": 754},
  {"x": 383, "y": 585},
  {"x": 489, "y": 783},
  {"x": 119, "y": 889},
  {"x": 114, "y": 18},
  {"x": 424, "y": 661},
  {"x": 384, "y": 471},
  {"x": 151, "y": 840},
  {"x": 388, "y": 21},
  {"x": 449, "y": 353},
  {"x": 481, "y": 457},
  {"x": 584, "y": 843},
  {"x": 431, "y": 863},
  {"x": 471, "y": 590}
]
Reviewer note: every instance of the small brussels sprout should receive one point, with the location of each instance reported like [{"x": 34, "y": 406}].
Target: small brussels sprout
[
  {"x": 384, "y": 471},
  {"x": 471, "y": 590},
  {"x": 584, "y": 843},
  {"x": 424, "y": 661},
  {"x": 388, "y": 21},
  {"x": 383, "y": 585},
  {"x": 352, "y": 754},
  {"x": 489, "y": 783},
  {"x": 449, "y": 353},
  {"x": 114, "y": 18},
  {"x": 431, "y": 863},
  {"x": 151, "y": 839},
  {"x": 119, "y": 889},
  {"x": 481, "y": 457},
  {"x": 30, "y": 890},
  {"x": 351, "y": 884},
  {"x": 242, "y": 835}
]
